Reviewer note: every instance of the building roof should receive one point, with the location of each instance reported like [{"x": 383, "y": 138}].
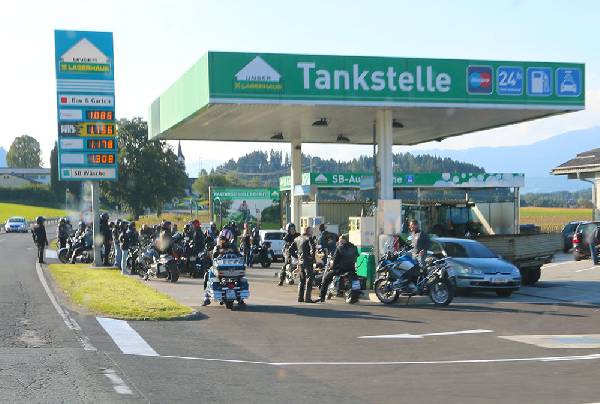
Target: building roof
[
  {"x": 588, "y": 161},
  {"x": 23, "y": 171}
]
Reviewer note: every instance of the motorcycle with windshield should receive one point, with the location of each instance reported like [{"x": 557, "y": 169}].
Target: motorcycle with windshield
[
  {"x": 227, "y": 281},
  {"x": 432, "y": 280}
]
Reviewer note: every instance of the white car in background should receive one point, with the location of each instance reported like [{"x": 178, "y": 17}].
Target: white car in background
[
  {"x": 16, "y": 224},
  {"x": 275, "y": 237}
]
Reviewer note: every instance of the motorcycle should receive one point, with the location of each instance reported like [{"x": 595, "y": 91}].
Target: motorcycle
[
  {"x": 263, "y": 254},
  {"x": 157, "y": 265},
  {"x": 133, "y": 261},
  {"x": 345, "y": 285},
  {"x": 203, "y": 263},
  {"x": 432, "y": 279},
  {"x": 227, "y": 280},
  {"x": 64, "y": 254},
  {"x": 291, "y": 268}
]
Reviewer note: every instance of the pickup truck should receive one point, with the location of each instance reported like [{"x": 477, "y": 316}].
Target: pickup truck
[{"x": 528, "y": 252}]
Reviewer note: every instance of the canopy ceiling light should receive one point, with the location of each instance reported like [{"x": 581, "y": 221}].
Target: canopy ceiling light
[
  {"x": 342, "y": 138},
  {"x": 396, "y": 124},
  {"x": 277, "y": 136},
  {"x": 320, "y": 122}
]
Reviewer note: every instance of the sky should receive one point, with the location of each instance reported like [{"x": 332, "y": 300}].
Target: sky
[{"x": 156, "y": 41}]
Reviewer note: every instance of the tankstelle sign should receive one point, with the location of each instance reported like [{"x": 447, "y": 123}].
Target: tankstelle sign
[{"x": 85, "y": 99}]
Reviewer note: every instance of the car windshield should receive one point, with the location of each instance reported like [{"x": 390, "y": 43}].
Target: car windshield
[
  {"x": 274, "y": 236},
  {"x": 467, "y": 250},
  {"x": 16, "y": 220}
]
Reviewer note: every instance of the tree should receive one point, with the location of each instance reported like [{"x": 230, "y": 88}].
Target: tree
[
  {"x": 24, "y": 152},
  {"x": 149, "y": 172}
]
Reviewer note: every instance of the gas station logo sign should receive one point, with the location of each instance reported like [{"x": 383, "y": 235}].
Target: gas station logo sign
[
  {"x": 258, "y": 75},
  {"x": 479, "y": 79}
]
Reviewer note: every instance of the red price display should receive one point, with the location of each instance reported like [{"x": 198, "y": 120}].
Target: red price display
[
  {"x": 100, "y": 129},
  {"x": 101, "y": 158},
  {"x": 98, "y": 115},
  {"x": 95, "y": 144}
]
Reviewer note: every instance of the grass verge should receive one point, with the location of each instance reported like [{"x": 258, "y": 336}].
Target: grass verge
[
  {"x": 29, "y": 212},
  {"x": 106, "y": 292}
]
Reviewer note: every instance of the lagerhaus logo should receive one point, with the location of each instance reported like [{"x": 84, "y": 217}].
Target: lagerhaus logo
[{"x": 258, "y": 75}]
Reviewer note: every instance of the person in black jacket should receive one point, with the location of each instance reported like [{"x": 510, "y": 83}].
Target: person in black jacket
[
  {"x": 63, "y": 233},
  {"x": 304, "y": 246},
  {"x": 126, "y": 240},
  {"x": 39, "y": 237},
  {"x": 290, "y": 235},
  {"x": 344, "y": 260},
  {"x": 106, "y": 238}
]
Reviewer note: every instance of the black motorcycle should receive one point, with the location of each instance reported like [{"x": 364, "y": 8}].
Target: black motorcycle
[
  {"x": 73, "y": 243},
  {"x": 263, "y": 254}
]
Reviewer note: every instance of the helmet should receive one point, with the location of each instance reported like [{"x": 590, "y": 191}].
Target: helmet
[
  {"x": 187, "y": 227},
  {"x": 67, "y": 220},
  {"x": 40, "y": 219},
  {"x": 228, "y": 234},
  {"x": 118, "y": 222},
  {"x": 81, "y": 225},
  {"x": 111, "y": 224},
  {"x": 62, "y": 220},
  {"x": 290, "y": 226},
  {"x": 131, "y": 226},
  {"x": 213, "y": 225},
  {"x": 232, "y": 224},
  {"x": 144, "y": 227},
  {"x": 166, "y": 225},
  {"x": 196, "y": 223},
  {"x": 104, "y": 216}
]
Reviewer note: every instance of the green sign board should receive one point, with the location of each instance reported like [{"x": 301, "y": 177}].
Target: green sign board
[
  {"x": 365, "y": 80},
  {"x": 230, "y": 194},
  {"x": 433, "y": 180}
]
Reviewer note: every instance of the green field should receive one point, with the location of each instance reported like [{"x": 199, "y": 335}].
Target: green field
[
  {"x": 109, "y": 293},
  {"x": 8, "y": 210},
  {"x": 553, "y": 219}
]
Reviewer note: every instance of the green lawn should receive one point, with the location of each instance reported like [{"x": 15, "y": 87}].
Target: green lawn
[
  {"x": 106, "y": 292},
  {"x": 553, "y": 219},
  {"x": 8, "y": 210}
]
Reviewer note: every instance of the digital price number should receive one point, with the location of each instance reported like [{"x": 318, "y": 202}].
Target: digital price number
[
  {"x": 99, "y": 115},
  {"x": 101, "y": 158},
  {"x": 100, "y": 129},
  {"x": 95, "y": 144}
]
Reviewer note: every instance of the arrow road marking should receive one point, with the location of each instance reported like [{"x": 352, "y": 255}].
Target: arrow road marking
[{"x": 416, "y": 336}]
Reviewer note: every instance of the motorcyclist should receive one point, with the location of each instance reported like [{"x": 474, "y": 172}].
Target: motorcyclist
[
  {"x": 68, "y": 226},
  {"x": 83, "y": 241},
  {"x": 421, "y": 243},
  {"x": 304, "y": 246},
  {"x": 146, "y": 234},
  {"x": 327, "y": 239},
  {"x": 343, "y": 261},
  {"x": 127, "y": 239},
  {"x": 106, "y": 237},
  {"x": 198, "y": 237},
  {"x": 116, "y": 233},
  {"x": 246, "y": 245},
  {"x": 164, "y": 242},
  {"x": 290, "y": 236},
  {"x": 39, "y": 237},
  {"x": 212, "y": 232},
  {"x": 223, "y": 246},
  {"x": 63, "y": 234}
]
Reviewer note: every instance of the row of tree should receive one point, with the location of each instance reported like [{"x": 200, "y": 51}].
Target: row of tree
[{"x": 559, "y": 199}]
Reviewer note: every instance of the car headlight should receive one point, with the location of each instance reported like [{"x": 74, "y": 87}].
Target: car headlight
[{"x": 465, "y": 270}]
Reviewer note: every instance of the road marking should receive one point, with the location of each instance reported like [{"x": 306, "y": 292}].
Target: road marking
[
  {"x": 51, "y": 254},
  {"x": 118, "y": 384},
  {"x": 126, "y": 338},
  {"x": 416, "y": 336},
  {"x": 595, "y": 356},
  {"x": 587, "y": 269},
  {"x": 68, "y": 320},
  {"x": 558, "y": 341}
]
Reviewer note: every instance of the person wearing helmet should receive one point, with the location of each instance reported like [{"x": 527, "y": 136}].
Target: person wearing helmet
[
  {"x": 146, "y": 234},
  {"x": 212, "y": 233},
  {"x": 290, "y": 236},
  {"x": 127, "y": 239},
  {"x": 164, "y": 242},
  {"x": 198, "y": 237},
  {"x": 245, "y": 245},
  {"x": 63, "y": 234},
  {"x": 224, "y": 246},
  {"x": 83, "y": 241},
  {"x": 107, "y": 239},
  {"x": 39, "y": 237}
]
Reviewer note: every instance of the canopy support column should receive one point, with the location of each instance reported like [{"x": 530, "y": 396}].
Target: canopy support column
[
  {"x": 385, "y": 141},
  {"x": 296, "y": 176}
]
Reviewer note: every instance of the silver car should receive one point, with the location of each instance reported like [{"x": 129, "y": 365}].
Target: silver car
[
  {"x": 16, "y": 224},
  {"x": 476, "y": 267}
]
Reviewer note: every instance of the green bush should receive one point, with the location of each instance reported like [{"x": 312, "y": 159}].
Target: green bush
[{"x": 39, "y": 195}]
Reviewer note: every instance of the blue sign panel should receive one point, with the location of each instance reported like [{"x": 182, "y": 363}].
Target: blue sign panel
[
  {"x": 509, "y": 80},
  {"x": 479, "y": 80},
  {"x": 539, "y": 81},
  {"x": 568, "y": 82},
  {"x": 87, "y": 144}
]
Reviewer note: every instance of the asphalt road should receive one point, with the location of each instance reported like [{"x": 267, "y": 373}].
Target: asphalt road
[{"x": 480, "y": 349}]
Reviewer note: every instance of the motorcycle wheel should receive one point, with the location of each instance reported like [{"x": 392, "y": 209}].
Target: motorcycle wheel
[
  {"x": 63, "y": 256},
  {"x": 441, "y": 292},
  {"x": 351, "y": 297},
  {"x": 173, "y": 274},
  {"x": 383, "y": 296},
  {"x": 229, "y": 304},
  {"x": 265, "y": 263}
]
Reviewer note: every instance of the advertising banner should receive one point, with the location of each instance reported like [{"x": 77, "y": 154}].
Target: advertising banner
[
  {"x": 87, "y": 145},
  {"x": 245, "y": 205}
]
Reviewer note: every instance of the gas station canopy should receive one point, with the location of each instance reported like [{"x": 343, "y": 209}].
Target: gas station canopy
[{"x": 328, "y": 99}]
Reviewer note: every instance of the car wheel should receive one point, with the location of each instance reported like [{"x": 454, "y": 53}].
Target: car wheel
[
  {"x": 576, "y": 256},
  {"x": 504, "y": 292}
]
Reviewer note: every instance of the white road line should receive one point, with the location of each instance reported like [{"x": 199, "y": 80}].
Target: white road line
[
  {"x": 126, "y": 338},
  {"x": 587, "y": 269},
  {"x": 416, "y": 336},
  {"x": 69, "y": 321},
  {"x": 118, "y": 384},
  {"x": 395, "y": 363}
]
